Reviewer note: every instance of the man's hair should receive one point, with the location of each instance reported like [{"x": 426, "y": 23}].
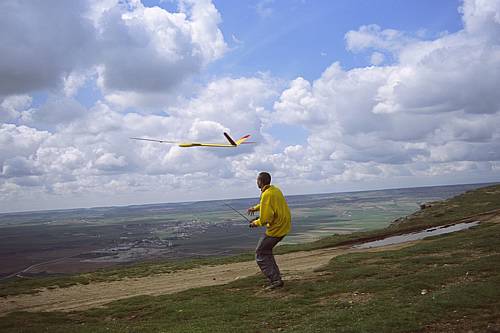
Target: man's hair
[{"x": 265, "y": 178}]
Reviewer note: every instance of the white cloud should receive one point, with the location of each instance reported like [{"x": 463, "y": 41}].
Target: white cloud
[
  {"x": 19, "y": 141},
  {"x": 18, "y": 166},
  {"x": 437, "y": 77},
  {"x": 482, "y": 18},
  {"x": 136, "y": 49},
  {"x": 110, "y": 162},
  {"x": 150, "y": 50},
  {"x": 13, "y": 106},
  {"x": 377, "y": 58},
  {"x": 61, "y": 160},
  {"x": 372, "y": 36},
  {"x": 74, "y": 81},
  {"x": 36, "y": 51},
  {"x": 56, "y": 111},
  {"x": 295, "y": 104},
  {"x": 433, "y": 113},
  {"x": 237, "y": 104}
]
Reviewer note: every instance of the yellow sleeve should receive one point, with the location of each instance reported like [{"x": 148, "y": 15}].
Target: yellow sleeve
[
  {"x": 266, "y": 214},
  {"x": 256, "y": 207}
]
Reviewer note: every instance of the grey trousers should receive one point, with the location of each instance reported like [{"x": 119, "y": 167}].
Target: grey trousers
[{"x": 265, "y": 259}]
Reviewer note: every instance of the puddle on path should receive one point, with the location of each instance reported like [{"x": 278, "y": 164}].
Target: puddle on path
[{"x": 417, "y": 235}]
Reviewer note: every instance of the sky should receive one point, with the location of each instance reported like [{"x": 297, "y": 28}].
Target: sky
[{"x": 342, "y": 95}]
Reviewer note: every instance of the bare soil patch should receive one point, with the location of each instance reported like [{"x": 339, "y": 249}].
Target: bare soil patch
[
  {"x": 81, "y": 297},
  {"x": 351, "y": 298}
]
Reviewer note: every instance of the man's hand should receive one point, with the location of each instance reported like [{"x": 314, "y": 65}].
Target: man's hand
[
  {"x": 251, "y": 211},
  {"x": 253, "y": 224}
]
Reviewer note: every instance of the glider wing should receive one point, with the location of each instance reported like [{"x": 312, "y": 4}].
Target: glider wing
[{"x": 154, "y": 140}]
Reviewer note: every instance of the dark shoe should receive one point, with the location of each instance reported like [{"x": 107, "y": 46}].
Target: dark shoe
[{"x": 275, "y": 285}]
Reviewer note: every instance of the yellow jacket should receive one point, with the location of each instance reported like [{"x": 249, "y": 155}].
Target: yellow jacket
[{"x": 274, "y": 212}]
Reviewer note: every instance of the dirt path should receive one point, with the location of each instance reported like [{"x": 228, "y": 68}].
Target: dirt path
[
  {"x": 81, "y": 297},
  {"x": 27, "y": 269}
]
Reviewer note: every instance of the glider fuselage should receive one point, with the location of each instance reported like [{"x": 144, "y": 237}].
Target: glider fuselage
[{"x": 197, "y": 144}]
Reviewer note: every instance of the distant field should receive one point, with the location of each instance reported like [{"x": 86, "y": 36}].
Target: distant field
[{"x": 79, "y": 240}]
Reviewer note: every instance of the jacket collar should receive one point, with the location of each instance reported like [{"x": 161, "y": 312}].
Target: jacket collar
[{"x": 264, "y": 188}]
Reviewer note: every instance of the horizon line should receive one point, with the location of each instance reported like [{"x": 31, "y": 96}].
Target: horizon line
[{"x": 241, "y": 198}]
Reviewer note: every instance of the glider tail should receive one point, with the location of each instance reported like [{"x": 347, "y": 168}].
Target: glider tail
[
  {"x": 231, "y": 141},
  {"x": 243, "y": 140}
]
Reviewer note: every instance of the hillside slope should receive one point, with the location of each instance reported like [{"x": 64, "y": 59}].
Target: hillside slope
[{"x": 444, "y": 284}]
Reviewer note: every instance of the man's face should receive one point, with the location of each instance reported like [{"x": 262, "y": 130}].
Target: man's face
[{"x": 259, "y": 183}]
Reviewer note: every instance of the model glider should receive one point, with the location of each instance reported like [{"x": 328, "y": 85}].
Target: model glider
[{"x": 232, "y": 143}]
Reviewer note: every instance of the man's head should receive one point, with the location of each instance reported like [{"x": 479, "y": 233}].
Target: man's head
[{"x": 263, "y": 179}]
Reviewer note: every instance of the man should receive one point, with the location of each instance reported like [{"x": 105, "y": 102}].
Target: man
[{"x": 274, "y": 214}]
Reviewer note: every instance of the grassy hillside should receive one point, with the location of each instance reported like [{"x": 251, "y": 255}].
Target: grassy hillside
[
  {"x": 440, "y": 213},
  {"x": 445, "y": 284}
]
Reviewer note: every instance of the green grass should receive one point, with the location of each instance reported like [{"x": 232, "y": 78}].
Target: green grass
[
  {"x": 468, "y": 204},
  {"x": 447, "y": 280}
]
